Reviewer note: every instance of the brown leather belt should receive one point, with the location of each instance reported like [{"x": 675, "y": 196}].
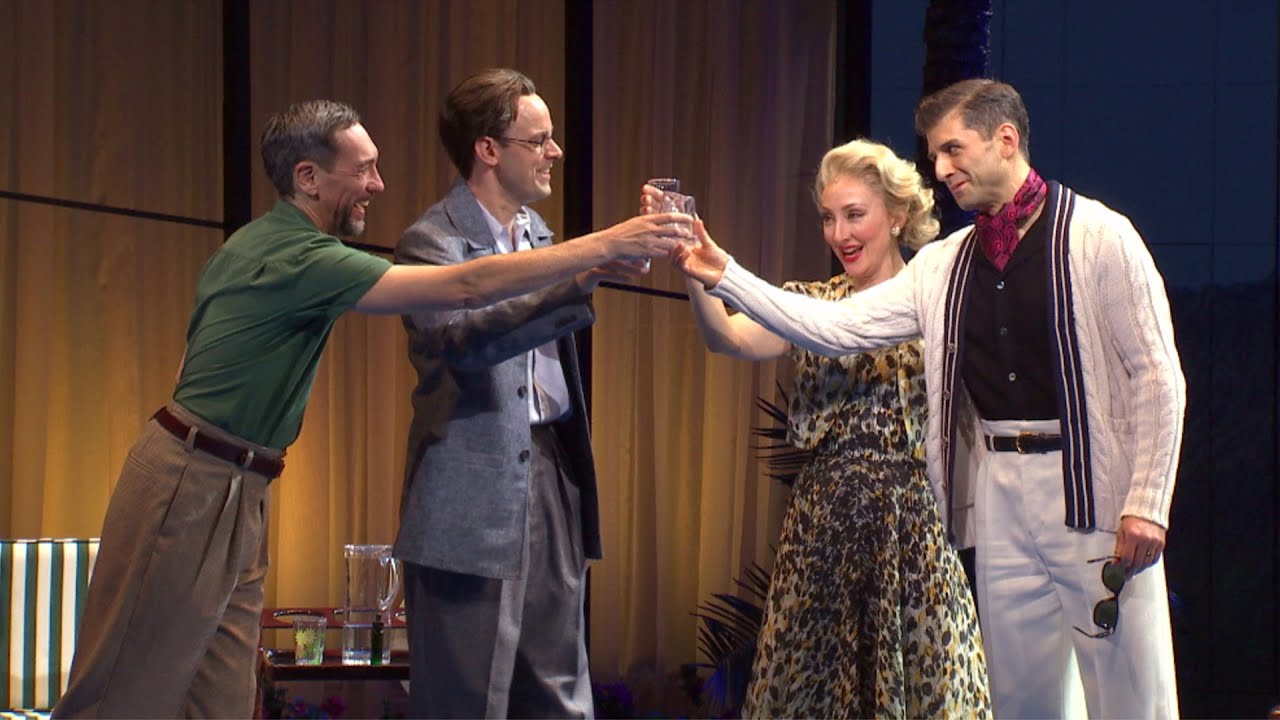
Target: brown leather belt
[
  {"x": 1025, "y": 443},
  {"x": 231, "y": 452}
]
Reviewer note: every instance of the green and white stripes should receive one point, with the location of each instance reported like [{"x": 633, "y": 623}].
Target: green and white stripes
[{"x": 42, "y": 591}]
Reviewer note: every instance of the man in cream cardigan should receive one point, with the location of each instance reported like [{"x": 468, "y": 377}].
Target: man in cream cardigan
[{"x": 1056, "y": 403}]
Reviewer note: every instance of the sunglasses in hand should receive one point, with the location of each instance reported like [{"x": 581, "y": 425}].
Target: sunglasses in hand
[{"x": 1106, "y": 614}]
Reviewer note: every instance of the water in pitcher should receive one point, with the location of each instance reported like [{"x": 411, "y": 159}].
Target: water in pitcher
[{"x": 361, "y": 634}]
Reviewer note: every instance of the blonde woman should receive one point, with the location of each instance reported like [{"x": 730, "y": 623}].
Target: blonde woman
[{"x": 868, "y": 613}]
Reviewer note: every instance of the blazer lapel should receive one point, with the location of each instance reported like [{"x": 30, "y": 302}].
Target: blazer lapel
[{"x": 465, "y": 212}]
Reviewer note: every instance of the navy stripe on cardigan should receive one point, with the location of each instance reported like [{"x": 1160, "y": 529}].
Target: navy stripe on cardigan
[
  {"x": 1077, "y": 471},
  {"x": 957, "y": 296}
]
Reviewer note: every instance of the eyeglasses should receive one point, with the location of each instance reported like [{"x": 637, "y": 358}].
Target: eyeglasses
[
  {"x": 1106, "y": 614},
  {"x": 538, "y": 144}
]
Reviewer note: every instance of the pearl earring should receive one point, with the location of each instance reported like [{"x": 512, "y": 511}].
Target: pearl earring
[{"x": 895, "y": 231}]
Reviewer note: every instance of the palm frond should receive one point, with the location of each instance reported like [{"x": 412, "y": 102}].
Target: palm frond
[
  {"x": 783, "y": 461},
  {"x": 729, "y": 624},
  {"x": 728, "y": 630},
  {"x": 755, "y": 580}
]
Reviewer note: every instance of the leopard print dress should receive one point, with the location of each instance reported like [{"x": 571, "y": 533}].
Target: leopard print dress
[{"x": 868, "y": 614}]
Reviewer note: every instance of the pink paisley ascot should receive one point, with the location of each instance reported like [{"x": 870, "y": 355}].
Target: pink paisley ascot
[{"x": 998, "y": 234}]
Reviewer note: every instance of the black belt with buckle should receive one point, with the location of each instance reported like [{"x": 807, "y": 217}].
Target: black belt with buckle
[
  {"x": 231, "y": 452},
  {"x": 1024, "y": 443}
]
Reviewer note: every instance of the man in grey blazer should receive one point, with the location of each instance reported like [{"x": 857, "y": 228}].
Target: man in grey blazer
[{"x": 499, "y": 511}]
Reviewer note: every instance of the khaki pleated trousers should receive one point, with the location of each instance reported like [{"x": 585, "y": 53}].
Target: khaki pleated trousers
[{"x": 171, "y": 621}]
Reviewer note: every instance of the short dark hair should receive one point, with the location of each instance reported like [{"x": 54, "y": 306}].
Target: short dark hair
[
  {"x": 983, "y": 104},
  {"x": 483, "y": 105},
  {"x": 303, "y": 132}
]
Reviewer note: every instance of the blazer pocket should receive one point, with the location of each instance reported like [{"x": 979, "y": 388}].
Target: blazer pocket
[{"x": 481, "y": 462}]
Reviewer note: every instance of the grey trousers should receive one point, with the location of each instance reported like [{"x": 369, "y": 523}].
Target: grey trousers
[
  {"x": 170, "y": 623},
  {"x": 482, "y": 647}
]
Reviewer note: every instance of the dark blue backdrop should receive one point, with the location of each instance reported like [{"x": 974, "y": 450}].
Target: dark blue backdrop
[{"x": 1166, "y": 111}]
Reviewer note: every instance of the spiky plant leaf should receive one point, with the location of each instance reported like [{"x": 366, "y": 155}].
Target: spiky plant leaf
[
  {"x": 728, "y": 630},
  {"x": 783, "y": 461}
]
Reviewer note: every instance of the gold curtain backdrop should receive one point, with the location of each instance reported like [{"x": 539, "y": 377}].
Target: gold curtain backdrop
[
  {"x": 119, "y": 102},
  {"x": 733, "y": 99}
]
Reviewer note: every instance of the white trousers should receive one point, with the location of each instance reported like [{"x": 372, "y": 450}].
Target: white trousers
[{"x": 1035, "y": 583}]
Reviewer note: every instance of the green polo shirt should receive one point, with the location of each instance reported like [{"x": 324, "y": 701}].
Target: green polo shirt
[{"x": 265, "y": 306}]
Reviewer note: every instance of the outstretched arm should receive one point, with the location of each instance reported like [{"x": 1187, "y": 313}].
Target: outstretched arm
[
  {"x": 482, "y": 337},
  {"x": 486, "y": 280},
  {"x": 734, "y": 335},
  {"x": 882, "y": 316}
]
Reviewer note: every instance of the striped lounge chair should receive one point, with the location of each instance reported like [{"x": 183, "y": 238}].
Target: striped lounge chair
[{"x": 42, "y": 590}]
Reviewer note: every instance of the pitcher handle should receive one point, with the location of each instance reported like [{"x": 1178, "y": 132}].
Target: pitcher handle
[{"x": 393, "y": 590}]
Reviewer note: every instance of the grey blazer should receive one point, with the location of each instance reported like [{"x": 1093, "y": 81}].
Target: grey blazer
[{"x": 466, "y": 490}]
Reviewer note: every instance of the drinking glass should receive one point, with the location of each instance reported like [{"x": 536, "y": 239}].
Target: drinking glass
[
  {"x": 308, "y": 639},
  {"x": 674, "y": 201}
]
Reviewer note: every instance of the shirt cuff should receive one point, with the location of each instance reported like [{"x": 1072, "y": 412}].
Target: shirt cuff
[{"x": 734, "y": 282}]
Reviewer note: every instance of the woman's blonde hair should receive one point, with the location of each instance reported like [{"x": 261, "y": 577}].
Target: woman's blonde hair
[{"x": 895, "y": 178}]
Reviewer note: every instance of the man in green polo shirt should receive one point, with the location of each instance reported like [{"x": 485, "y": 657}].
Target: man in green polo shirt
[{"x": 170, "y": 624}]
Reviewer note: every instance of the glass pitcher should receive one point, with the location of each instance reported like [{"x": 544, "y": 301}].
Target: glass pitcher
[{"x": 373, "y": 582}]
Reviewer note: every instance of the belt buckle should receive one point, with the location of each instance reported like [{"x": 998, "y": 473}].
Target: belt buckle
[{"x": 1017, "y": 442}]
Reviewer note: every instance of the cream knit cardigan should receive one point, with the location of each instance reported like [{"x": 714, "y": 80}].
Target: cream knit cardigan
[{"x": 1114, "y": 336}]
